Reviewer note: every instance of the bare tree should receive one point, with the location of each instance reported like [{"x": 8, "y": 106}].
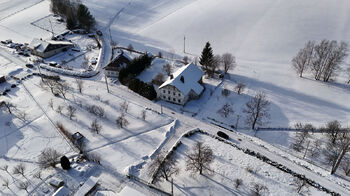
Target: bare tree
[
  {"x": 167, "y": 69},
  {"x": 130, "y": 48},
  {"x": 200, "y": 158},
  {"x": 121, "y": 121},
  {"x": 5, "y": 168},
  {"x": 163, "y": 167},
  {"x": 124, "y": 107},
  {"x": 48, "y": 158},
  {"x": 158, "y": 79},
  {"x": 59, "y": 109},
  {"x": 257, "y": 110},
  {"x": 62, "y": 88},
  {"x": 335, "y": 152},
  {"x": 19, "y": 169},
  {"x": 10, "y": 107},
  {"x": 238, "y": 183},
  {"x": 96, "y": 110},
  {"x": 214, "y": 65},
  {"x": 299, "y": 140},
  {"x": 71, "y": 111},
  {"x": 143, "y": 115},
  {"x": 333, "y": 129},
  {"x": 80, "y": 85},
  {"x": 301, "y": 186},
  {"x": 37, "y": 175},
  {"x": 24, "y": 186},
  {"x": 226, "y": 110},
  {"x": 228, "y": 62},
  {"x": 345, "y": 165},
  {"x": 259, "y": 189},
  {"x": 315, "y": 149},
  {"x": 302, "y": 60},
  {"x": 240, "y": 88},
  {"x": 51, "y": 103},
  {"x": 22, "y": 115},
  {"x": 95, "y": 126},
  {"x": 6, "y": 183}
]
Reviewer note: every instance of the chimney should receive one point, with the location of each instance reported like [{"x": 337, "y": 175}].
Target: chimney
[
  {"x": 171, "y": 76},
  {"x": 182, "y": 79}
]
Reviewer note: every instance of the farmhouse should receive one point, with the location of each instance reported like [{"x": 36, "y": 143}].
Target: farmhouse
[
  {"x": 113, "y": 68},
  {"x": 185, "y": 84},
  {"x": 48, "y": 48}
]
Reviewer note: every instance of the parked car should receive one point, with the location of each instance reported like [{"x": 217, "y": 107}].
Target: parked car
[
  {"x": 76, "y": 49},
  {"x": 99, "y": 33},
  {"x": 29, "y": 65},
  {"x": 223, "y": 135},
  {"x": 53, "y": 63}
]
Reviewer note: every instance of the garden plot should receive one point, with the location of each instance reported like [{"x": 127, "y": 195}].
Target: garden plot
[
  {"x": 229, "y": 164},
  {"x": 52, "y": 24},
  {"x": 128, "y": 144}
]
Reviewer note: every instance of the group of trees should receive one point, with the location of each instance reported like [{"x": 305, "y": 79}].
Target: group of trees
[
  {"x": 322, "y": 59},
  {"x": 127, "y": 76},
  {"x": 335, "y": 148},
  {"x": 211, "y": 63},
  {"x": 77, "y": 14},
  {"x": 198, "y": 160},
  {"x": 57, "y": 87}
]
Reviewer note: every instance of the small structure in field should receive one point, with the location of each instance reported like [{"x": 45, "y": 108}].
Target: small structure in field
[
  {"x": 55, "y": 182},
  {"x": 87, "y": 187},
  {"x": 78, "y": 138},
  {"x": 2, "y": 79},
  {"x": 113, "y": 68},
  {"x": 185, "y": 84},
  {"x": 62, "y": 191},
  {"x": 48, "y": 48}
]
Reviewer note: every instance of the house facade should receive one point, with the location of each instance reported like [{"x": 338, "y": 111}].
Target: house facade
[
  {"x": 48, "y": 48},
  {"x": 113, "y": 68},
  {"x": 185, "y": 84}
]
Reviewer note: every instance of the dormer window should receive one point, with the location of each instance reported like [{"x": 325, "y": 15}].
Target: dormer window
[{"x": 182, "y": 79}]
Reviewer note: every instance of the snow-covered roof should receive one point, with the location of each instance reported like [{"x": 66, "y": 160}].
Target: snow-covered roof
[
  {"x": 41, "y": 45},
  {"x": 191, "y": 74},
  {"x": 62, "y": 191},
  {"x": 87, "y": 186}
]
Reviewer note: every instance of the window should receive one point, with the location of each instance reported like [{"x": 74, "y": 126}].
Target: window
[
  {"x": 168, "y": 92},
  {"x": 168, "y": 98},
  {"x": 174, "y": 99},
  {"x": 179, "y": 94},
  {"x": 164, "y": 97},
  {"x": 174, "y": 93},
  {"x": 179, "y": 101},
  {"x": 163, "y": 91}
]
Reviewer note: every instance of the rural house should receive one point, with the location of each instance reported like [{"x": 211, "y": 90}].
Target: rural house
[
  {"x": 48, "y": 48},
  {"x": 185, "y": 84},
  {"x": 113, "y": 68}
]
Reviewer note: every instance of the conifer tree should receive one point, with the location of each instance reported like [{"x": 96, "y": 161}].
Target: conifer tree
[
  {"x": 86, "y": 20},
  {"x": 207, "y": 57}
]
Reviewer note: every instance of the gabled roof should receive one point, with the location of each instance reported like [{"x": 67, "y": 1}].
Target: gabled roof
[
  {"x": 41, "y": 45},
  {"x": 118, "y": 62},
  {"x": 186, "y": 79},
  {"x": 87, "y": 186}
]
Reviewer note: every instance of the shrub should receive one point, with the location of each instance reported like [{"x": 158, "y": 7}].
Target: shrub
[{"x": 223, "y": 135}]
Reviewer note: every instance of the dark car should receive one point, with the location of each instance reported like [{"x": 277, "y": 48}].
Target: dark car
[
  {"x": 222, "y": 134},
  {"x": 99, "y": 33},
  {"x": 29, "y": 65}
]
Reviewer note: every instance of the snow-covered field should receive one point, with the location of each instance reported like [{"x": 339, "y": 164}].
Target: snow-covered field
[{"x": 229, "y": 164}]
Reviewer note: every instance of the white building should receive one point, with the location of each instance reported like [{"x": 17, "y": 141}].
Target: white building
[
  {"x": 185, "y": 84},
  {"x": 48, "y": 48}
]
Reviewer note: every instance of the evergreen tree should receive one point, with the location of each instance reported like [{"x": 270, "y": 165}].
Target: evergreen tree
[
  {"x": 86, "y": 20},
  {"x": 71, "y": 20},
  {"x": 207, "y": 57}
]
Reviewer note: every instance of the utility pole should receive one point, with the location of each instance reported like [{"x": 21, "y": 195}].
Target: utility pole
[
  {"x": 106, "y": 83},
  {"x": 184, "y": 44}
]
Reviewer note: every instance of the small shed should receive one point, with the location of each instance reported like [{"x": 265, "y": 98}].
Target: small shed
[
  {"x": 78, "y": 138},
  {"x": 55, "y": 182},
  {"x": 87, "y": 187}
]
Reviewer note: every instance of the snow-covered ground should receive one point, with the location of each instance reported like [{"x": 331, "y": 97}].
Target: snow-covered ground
[{"x": 229, "y": 164}]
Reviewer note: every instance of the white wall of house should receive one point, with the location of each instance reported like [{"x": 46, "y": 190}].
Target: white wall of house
[{"x": 171, "y": 94}]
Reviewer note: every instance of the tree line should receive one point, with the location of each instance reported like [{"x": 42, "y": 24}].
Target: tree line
[
  {"x": 77, "y": 15},
  {"x": 322, "y": 59}
]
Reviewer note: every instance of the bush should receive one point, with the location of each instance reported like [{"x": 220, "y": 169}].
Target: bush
[
  {"x": 238, "y": 183},
  {"x": 48, "y": 158},
  {"x": 65, "y": 163},
  {"x": 223, "y": 135}
]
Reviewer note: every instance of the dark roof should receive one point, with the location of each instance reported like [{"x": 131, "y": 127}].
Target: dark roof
[{"x": 117, "y": 63}]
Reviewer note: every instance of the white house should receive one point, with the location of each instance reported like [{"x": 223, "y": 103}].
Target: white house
[
  {"x": 185, "y": 84},
  {"x": 48, "y": 48}
]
